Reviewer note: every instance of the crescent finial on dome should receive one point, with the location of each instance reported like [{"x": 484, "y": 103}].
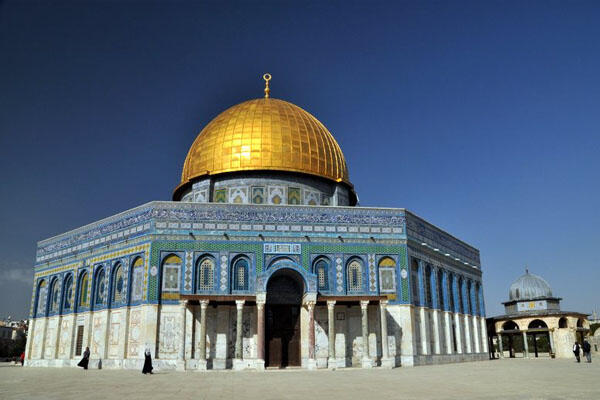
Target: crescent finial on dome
[{"x": 267, "y": 78}]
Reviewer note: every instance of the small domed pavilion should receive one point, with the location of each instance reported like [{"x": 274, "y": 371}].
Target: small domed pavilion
[{"x": 534, "y": 325}]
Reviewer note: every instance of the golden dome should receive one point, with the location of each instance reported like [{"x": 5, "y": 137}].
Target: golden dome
[{"x": 265, "y": 134}]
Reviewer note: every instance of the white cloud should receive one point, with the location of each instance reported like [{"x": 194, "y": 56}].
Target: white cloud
[{"x": 18, "y": 275}]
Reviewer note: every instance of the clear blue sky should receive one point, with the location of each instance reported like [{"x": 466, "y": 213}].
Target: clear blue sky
[{"x": 482, "y": 117}]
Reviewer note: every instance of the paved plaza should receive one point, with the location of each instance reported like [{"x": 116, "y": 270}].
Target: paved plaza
[{"x": 513, "y": 379}]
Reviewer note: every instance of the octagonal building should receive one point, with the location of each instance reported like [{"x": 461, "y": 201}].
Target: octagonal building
[{"x": 262, "y": 259}]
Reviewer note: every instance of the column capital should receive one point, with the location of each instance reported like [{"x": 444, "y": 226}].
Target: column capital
[
  {"x": 364, "y": 304},
  {"x": 240, "y": 304},
  {"x": 204, "y": 304},
  {"x": 260, "y": 304},
  {"x": 310, "y": 305},
  {"x": 383, "y": 303},
  {"x": 330, "y": 304},
  {"x": 183, "y": 303}
]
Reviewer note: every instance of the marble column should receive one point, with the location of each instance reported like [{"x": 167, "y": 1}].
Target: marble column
[
  {"x": 468, "y": 344},
  {"x": 366, "y": 360},
  {"x": 458, "y": 333},
  {"x": 331, "y": 361},
  {"x": 525, "y": 344},
  {"x": 436, "y": 332},
  {"x": 484, "y": 336},
  {"x": 551, "y": 338},
  {"x": 181, "y": 357},
  {"x": 202, "y": 334},
  {"x": 500, "y": 348},
  {"x": 423, "y": 319},
  {"x": 260, "y": 334},
  {"x": 239, "y": 335},
  {"x": 476, "y": 337},
  {"x": 447, "y": 333},
  {"x": 386, "y": 360},
  {"x": 57, "y": 338},
  {"x": 312, "y": 362}
]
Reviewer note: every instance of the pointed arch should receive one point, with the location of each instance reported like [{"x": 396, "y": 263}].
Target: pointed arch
[
  {"x": 240, "y": 268},
  {"x": 99, "y": 288},
  {"x": 387, "y": 275},
  {"x": 354, "y": 274},
  {"x": 118, "y": 284},
  {"x": 68, "y": 292},
  {"x": 54, "y": 296},
  {"x": 205, "y": 273},
  {"x": 83, "y": 290},
  {"x": 170, "y": 274},
  {"x": 320, "y": 268},
  {"x": 136, "y": 291},
  {"x": 41, "y": 296}
]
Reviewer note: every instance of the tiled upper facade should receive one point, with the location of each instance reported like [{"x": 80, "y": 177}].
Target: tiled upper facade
[{"x": 157, "y": 251}]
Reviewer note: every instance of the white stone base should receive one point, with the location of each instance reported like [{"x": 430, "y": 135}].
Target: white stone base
[
  {"x": 387, "y": 363},
  {"x": 180, "y": 366},
  {"x": 332, "y": 364},
  {"x": 367, "y": 363},
  {"x": 260, "y": 365},
  {"x": 240, "y": 364},
  {"x": 311, "y": 364}
]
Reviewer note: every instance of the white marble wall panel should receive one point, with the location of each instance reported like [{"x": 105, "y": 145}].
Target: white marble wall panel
[
  {"x": 65, "y": 339},
  {"x": 170, "y": 332},
  {"x": 98, "y": 339}
]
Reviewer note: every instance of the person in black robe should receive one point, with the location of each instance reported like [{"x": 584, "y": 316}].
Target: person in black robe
[
  {"x": 147, "y": 362},
  {"x": 86, "y": 359}
]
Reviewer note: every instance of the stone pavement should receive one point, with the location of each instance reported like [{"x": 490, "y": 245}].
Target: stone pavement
[{"x": 512, "y": 379}]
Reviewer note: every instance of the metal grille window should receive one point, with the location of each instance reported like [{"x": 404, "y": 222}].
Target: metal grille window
[
  {"x": 321, "y": 269},
  {"x": 355, "y": 276},
  {"x": 205, "y": 276},
  {"x": 240, "y": 270}
]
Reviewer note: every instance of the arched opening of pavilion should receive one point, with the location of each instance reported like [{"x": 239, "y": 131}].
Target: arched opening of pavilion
[
  {"x": 538, "y": 338},
  {"x": 284, "y": 300}
]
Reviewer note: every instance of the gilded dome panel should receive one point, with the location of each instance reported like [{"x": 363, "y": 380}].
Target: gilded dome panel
[{"x": 265, "y": 134}]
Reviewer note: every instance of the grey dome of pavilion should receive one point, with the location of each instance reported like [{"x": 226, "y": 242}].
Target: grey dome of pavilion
[{"x": 529, "y": 287}]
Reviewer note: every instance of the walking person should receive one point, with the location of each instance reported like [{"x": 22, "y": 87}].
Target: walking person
[
  {"x": 147, "y": 362},
  {"x": 576, "y": 351},
  {"x": 587, "y": 351},
  {"x": 22, "y": 358},
  {"x": 86, "y": 359}
]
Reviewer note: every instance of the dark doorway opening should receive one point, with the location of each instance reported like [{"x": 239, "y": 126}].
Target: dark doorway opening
[{"x": 284, "y": 299}]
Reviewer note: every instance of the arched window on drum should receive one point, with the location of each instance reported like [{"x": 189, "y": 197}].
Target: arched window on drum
[
  {"x": 240, "y": 274},
  {"x": 137, "y": 280},
  {"x": 321, "y": 269},
  {"x": 68, "y": 293},
  {"x": 118, "y": 289},
  {"x": 354, "y": 275},
  {"x": 55, "y": 296},
  {"x": 205, "y": 274}
]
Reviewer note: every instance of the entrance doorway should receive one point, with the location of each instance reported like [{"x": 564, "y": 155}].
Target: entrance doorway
[{"x": 284, "y": 299}]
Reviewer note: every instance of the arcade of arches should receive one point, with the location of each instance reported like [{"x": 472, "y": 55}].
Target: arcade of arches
[{"x": 279, "y": 327}]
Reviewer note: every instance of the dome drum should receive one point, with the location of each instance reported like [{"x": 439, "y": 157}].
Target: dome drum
[{"x": 265, "y": 187}]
